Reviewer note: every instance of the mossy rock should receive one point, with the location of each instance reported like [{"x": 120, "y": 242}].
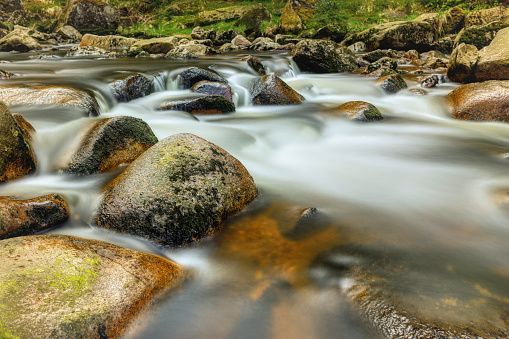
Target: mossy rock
[
  {"x": 91, "y": 15},
  {"x": 335, "y": 33},
  {"x": 107, "y": 144},
  {"x": 480, "y": 36},
  {"x": 485, "y": 16},
  {"x": 462, "y": 63},
  {"x": 17, "y": 157},
  {"x": 24, "y": 217},
  {"x": 209, "y": 104},
  {"x": 391, "y": 84},
  {"x": 107, "y": 41},
  {"x": 158, "y": 45},
  {"x": 271, "y": 90},
  {"x": 179, "y": 191},
  {"x": 20, "y": 41},
  {"x": 322, "y": 56},
  {"x": 493, "y": 62},
  {"x": 57, "y": 286},
  {"x": 453, "y": 20}
]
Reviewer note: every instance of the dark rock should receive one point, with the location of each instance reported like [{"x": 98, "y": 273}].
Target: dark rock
[
  {"x": 429, "y": 81},
  {"x": 5, "y": 75},
  {"x": 331, "y": 32},
  {"x": 253, "y": 17},
  {"x": 192, "y": 75},
  {"x": 255, "y": 64},
  {"x": 17, "y": 157},
  {"x": 199, "y": 33},
  {"x": 49, "y": 95},
  {"x": 90, "y": 15},
  {"x": 131, "y": 87},
  {"x": 322, "y": 56},
  {"x": 483, "y": 101},
  {"x": 271, "y": 90},
  {"x": 210, "y": 104},
  {"x": 444, "y": 44},
  {"x": 225, "y": 36},
  {"x": 213, "y": 88},
  {"x": 59, "y": 286},
  {"x": 392, "y": 84},
  {"x": 189, "y": 51},
  {"x": 18, "y": 40},
  {"x": 178, "y": 191},
  {"x": 493, "y": 63},
  {"x": 385, "y": 62},
  {"x": 359, "y": 111},
  {"x": 25, "y": 217},
  {"x": 374, "y": 55},
  {"x": 453, "y": 20},
  {"x": 107, "y": 144}
]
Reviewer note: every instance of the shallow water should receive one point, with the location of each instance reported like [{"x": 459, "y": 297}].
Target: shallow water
[{"x": 412, "y": 199}]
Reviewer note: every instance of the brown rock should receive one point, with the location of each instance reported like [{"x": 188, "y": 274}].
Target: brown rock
[
  {"x": 271, "y": 90},
  {"x": 241, "y": 41},
  {"x": 493, "y": 62},
  {"x": 392, "y": 83},
  {"x": 359, "y": 111},
  {"x": 462, "y": 63},
  {"x": 255, "y": 64},
  {"x": 107, "y": 41}
]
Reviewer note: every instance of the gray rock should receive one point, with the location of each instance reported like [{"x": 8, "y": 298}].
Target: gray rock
[
  {"x": 131, "y": 87},
  {"x": 192, "y": 75},
  {"x": 210, "y": 104},
  {"x": 322, "y": 56},
  {"x": 392, "y": 84},
  {"x": 271, "y": 90}
]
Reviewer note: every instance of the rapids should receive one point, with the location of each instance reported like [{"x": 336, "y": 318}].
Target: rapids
[{"x": 417, "y": 190}]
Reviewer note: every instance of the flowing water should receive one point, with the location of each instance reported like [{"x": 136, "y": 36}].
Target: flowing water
[{"x": 412, "y": 200}]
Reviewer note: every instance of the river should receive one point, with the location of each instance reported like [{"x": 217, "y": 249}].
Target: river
[{"x": 412, "y": 199}]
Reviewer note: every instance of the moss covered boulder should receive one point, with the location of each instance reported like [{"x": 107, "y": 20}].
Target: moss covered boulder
[
  {"x": 391, "y": 84},
  {"x": 107, "y": 41},
  {"x": 271, "y": 90},
  {"x": 50, "y": 95},
  {"x": 296, "y": 16},
  {"x": 17, "y": 157},
  {"x": 190, "y": 76},
  {"x": 485, "y": 16},
  {"x": 180, "y": 190},
  {"x": 253, "y": 18},
  {"x": 57, "y": 286},
  {"x": 18, "y": 40},
  {"x": 480, "y": 36},
  {"x": 335, "y": 33},
  {"x": 24, "y": 217},
  {"x": 493, "y": 62},
  {"x": 453, "y": 20},
  {"x": 462, "y": 63},
  {"x": 322, "y": 56},
  {"x": 209, "y": 104},
  {"x": 482, "y": 101},
  {"x": 108, "y": 143},
  {"x": 213, "y": 88},
  {"x": 131, "y": 87},
  {"x": 93, "y": 16},
  {"x": 206, "y": 18},
  {"x": 359, "y": 111}
]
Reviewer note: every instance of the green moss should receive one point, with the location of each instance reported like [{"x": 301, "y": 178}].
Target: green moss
[{"x": 5, "y": 333}]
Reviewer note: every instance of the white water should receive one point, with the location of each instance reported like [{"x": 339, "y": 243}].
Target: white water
[{"x": 419, "y": 182}]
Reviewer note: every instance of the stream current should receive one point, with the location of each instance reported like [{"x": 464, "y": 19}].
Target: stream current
[{"x": 412, "y": 199}]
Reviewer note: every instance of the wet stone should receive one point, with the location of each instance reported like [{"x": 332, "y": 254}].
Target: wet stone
[
  {"x": 271, "y": 90},
  {"x": 190, "y": 76},
  {"x": 430, "y": 81},
  {"x": 131, "y": 87},
  {"x": 359, "y": 111},
  {"x": 210, "y": 104},
  {"x": 255, "y": 64},
  {"x": 392, "y": 84},
  {"x": 213, "y": 88}
]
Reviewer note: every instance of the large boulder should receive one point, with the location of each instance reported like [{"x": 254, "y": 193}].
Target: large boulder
[
  {"x": 206, "y": 18},
  {"x": 70, "y": 33},
  {"x": 271, "y": 90},
  {"x": 453, "y": 20},
  {"x": 58, "y": 286},
  {"x": 479, "y": 36},
  {"x": 297, "y": 14},
  {"x": 93, "y": 15},
  {"x": 17, "y": 156},
  {"x": 482, "y": 101},
  {"x": 253, "y": 17},
  {"x": 24, "y": 217},
  {"x": 107, "y": 41},
  {"x": 178, "y": 191},
  {"x": 493, "y": 63},
  {"x": 335, "y": 33},
  {"x": 190, "y": 76},
  {"x": 158, "y": 45},
  {"x": 108, "y": 143},
  {"x": 322, "y": 56},
  {"x": 18, "y": 40},
  {"x": 462, "y": 63},
  {"x": 485, "y": 16},
  {"x": 189, "y": 51},
  {"x": 209, "y": 104},
  {"x": 131, "y": 87},
  {"x": 49, "y": 95}
]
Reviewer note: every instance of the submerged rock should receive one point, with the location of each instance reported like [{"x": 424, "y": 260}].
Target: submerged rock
[
  {"x": 210, "y": 104},
  {"x": 17, "y": 157},
  {"x": 131, "y": 87},
  {"x": 392, "y": 84},
  {"x": 25, "y": 217},
  {"x": 483, "y": 101},
  {"x": 322, "y": 56},
  {"x": 109, "y": 143},
  {"x": 178, "y": 191},
  {"x": 57, "y": 286},
  {"x": 271, "y": 90},
  {"x": 359, "y": 111},
  {"x": 49, "y": 95},
  {"x": 493, "y": 63},
  {"x": 192, "y": 75},
  {"x": 213, "y": 88}
]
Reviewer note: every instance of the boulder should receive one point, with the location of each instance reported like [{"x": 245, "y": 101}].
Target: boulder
[
  {"x": 385, "y": 62},
  {"x": 331, "y": 32},
  {"x": 209, "y": 104},
  {"x": 131, "y": 87},
  {"x": 453, "y": 20},
  {"x": 359, "y": 111},
  {"x": 228, "y": 47},
  {"x": 108, "y": 143},
  {"x": 92, "y": 15},
  {"x": 375, "y": 55},
  {"x": 206, "y": 18},
  {"x": 253, "y": 17},
  {"x": 255, "y": 64},
  {"x": 190, "y": 76},
  {"x": 322, "y": 56},
  {"x": 178, "y": 191},
  {"x": 493, "y": 61},
  {"x": 271, "y": 90},
  {"x": 18, "y": 40},
  {"x": 482, "y": 101},
  {"x": 58, "y": 286},
  {"x": 412, "y": 55},
  {"x": 9, "y": 6},
  {"x": 199, "y": 33},
  {"x": 17, "y": 156},
  {"x": 297, "y": 15},
  {"x": 241, "y": 41},
  {"x": 70, "y": 33},
  {"x": 189, "y": 51},
  {"x": 264, "y": 44},
  {"x": 107, "y": 41},
  {"x": 25, "y": 217},
  {"x": 479, "y": 36},
  {"x": 213, "y": 88},
  {"x": 224, "y": 37},
  {"x": 86, "y": 51},
  {"x": 157, "y": 45},
  {"x": 50, "y": 95},
  {"x": 462, "y": 63},
  {"x": 485, "y": 16},
  {"x": 392, "y": 83}
]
